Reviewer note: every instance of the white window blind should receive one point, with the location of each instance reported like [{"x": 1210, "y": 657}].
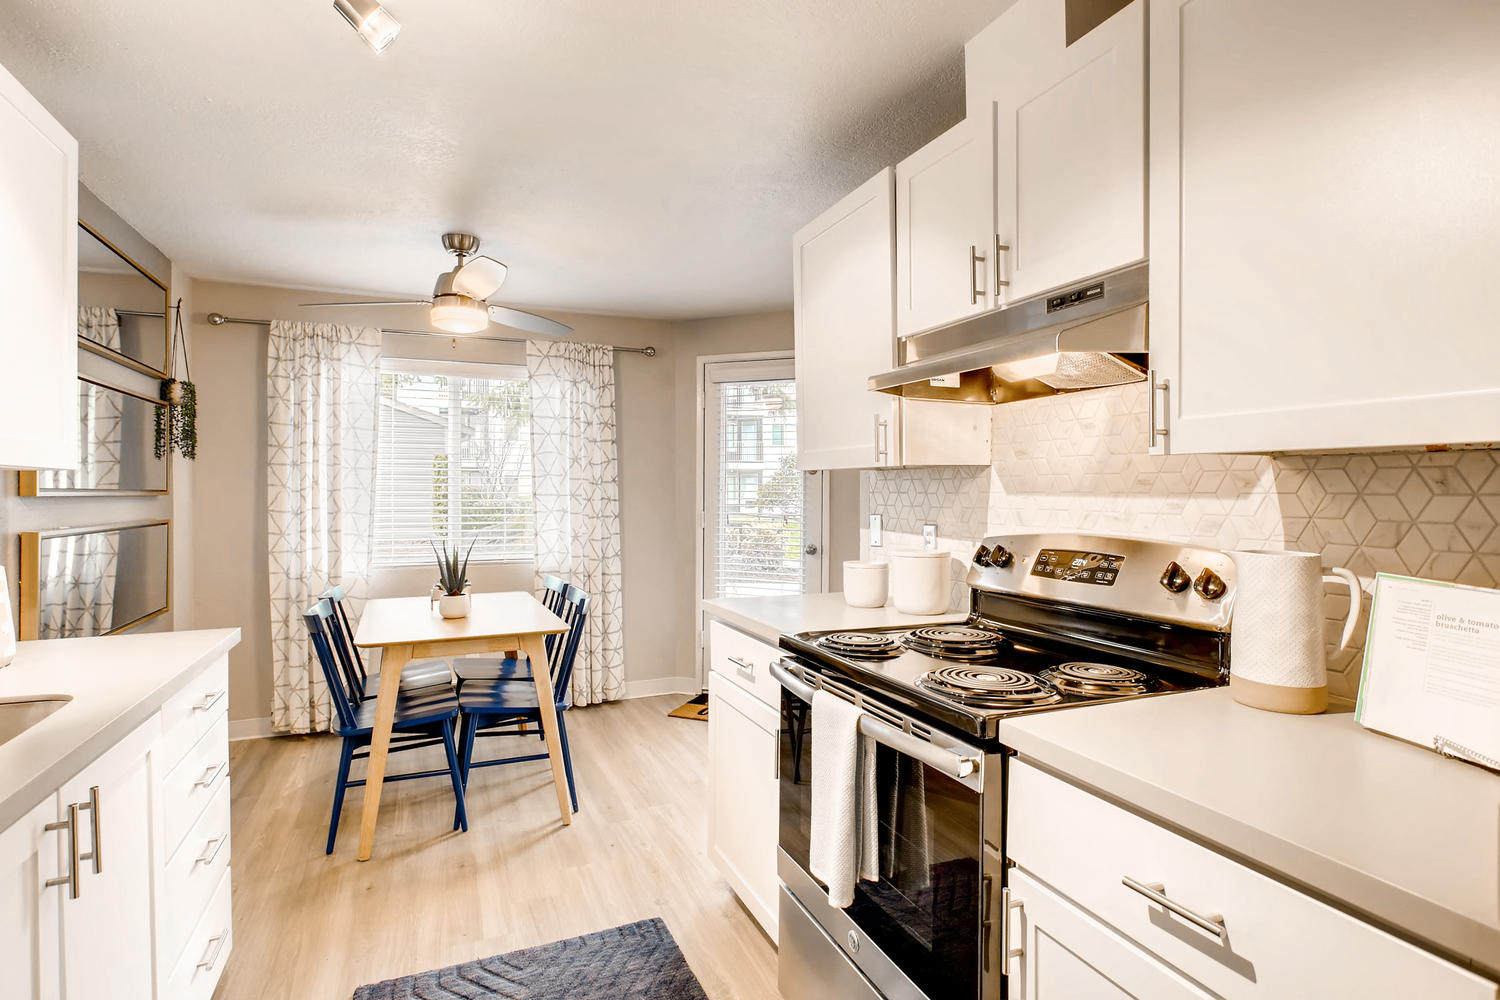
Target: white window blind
[
  {"x": 759, "y": 512},
  {"x": 453, "y": 462}
]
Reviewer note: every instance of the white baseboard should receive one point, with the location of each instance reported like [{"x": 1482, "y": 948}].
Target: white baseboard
[
  {"x": 250, "y": 729},
  {"x": 661, "y": 685}
]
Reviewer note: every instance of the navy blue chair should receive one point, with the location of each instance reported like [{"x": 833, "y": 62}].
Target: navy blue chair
[
  {"x": 504, "y": 706},
  {"x": 424, "y": 718},
  {"x": 475, "y": 668},
  {"x": 362, "y": 685}
]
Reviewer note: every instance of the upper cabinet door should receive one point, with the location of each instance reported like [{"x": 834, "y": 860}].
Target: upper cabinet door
[
  {"x": 945, "y": 226},
  {"x": 843, "y": 274},
  {"x": 38, "y": 284},
  {"x": 1070, "y": 142}
]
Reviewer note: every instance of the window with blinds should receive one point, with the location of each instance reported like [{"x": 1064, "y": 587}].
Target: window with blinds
[
  {"x": 453, "y": 462},
  {"x": 759, "y": 508}
]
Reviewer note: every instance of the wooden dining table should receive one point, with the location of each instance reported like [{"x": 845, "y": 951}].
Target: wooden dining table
[{"x": 410, "y": 628}]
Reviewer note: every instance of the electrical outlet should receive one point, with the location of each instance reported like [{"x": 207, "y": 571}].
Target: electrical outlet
[
  {"x": 929, "y": 537},
  {"x": 875, "y": 531}
]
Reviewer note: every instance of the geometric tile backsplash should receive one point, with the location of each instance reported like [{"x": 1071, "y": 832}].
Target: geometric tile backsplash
[{"x": 1078, "y": 461}]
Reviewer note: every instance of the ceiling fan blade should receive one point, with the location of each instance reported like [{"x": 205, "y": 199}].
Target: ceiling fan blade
[
  {"x": 480, "y": 277},
  {"x": 380, "y": 302},
  {"x": 530, "y": 322}
]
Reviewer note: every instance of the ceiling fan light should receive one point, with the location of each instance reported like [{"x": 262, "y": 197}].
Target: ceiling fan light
[
  {"x": 376, "y": 25},
  {"x": 458, "y": 314}
]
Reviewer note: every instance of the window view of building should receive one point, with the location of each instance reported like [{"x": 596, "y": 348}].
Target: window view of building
[{"x": 760, "y": 490}]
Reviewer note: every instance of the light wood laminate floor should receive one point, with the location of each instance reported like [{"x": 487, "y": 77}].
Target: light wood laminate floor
[{"x": 312, "y": 926}]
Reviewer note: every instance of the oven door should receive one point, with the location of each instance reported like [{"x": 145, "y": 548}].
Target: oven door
[{"x": 923, "y": 929}]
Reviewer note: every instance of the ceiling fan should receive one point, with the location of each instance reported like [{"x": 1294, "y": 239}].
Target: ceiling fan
[{"x": 458, "y": 303}]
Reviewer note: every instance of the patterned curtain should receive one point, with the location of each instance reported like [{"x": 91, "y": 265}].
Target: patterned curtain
[
  {"x": 575, "y": 482},
  {"x": 99, "y": 411},
  {"x": 77, "y": 592},
  {"x": 322, "y": 387}
]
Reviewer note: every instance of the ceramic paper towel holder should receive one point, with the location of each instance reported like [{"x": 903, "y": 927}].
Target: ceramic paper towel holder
[{"x": 1277, "y": 660}]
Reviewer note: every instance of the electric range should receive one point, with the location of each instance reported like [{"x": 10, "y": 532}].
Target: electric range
[{"x": 1056, "y": 622}]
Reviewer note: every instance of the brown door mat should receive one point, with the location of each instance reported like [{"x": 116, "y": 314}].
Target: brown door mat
[{"x": 696, "y": 708}]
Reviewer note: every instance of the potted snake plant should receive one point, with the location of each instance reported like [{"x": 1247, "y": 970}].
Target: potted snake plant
[{"x": 452, "y": 592}]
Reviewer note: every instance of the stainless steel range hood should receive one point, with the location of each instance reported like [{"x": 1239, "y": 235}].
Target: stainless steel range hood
[{"x": 1082, "y": 336}]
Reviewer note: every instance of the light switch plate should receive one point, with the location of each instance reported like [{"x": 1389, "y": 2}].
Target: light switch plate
[
  {"x": 875, "y": 530},
  {"x": 929, "y": 537}
]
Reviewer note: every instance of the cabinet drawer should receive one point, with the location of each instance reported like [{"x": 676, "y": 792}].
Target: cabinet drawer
[
  {"x": 202, "y": 960},
  {"x": 187, "y": 714},
  {"x": 744, "y": 660},
  {"x": 1277, "y": 942},
  {"x": 188, "y": 880},
  {"x": 191, "y": 785}
]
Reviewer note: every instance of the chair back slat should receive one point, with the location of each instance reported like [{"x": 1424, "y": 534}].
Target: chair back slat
[
  {"x": 342, "y": 639},
  {"x": 564, "y": 651},
  {"x": 554, "y": 588},
  {"x": 318, "y": 618}
]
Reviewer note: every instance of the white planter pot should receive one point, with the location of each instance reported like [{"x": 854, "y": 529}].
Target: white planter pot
[{"x": 453, "y": 605}]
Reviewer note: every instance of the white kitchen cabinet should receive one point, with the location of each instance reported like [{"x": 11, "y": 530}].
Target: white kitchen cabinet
[
  {"x": 30, "y": 928},
  {"x": 1235, "y": 933},
  {"x": 842, "y": 282},
  {"x": 107, "y": 927},
  {"x": 843, "y": 266},
  {"x": 945, "y": 225},
  {"x": 1325, "y": 216},
  {"x": 1059, "y": 952},
  {"x": 1069, "y": 155},
  {"x": 38, "y": 284},
  {"x": 743, "y": 795}
]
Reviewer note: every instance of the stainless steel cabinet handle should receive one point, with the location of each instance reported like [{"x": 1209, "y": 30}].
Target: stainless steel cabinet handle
[
  {"x": 211, "y": 953},
  {"x": 210, "y": 774},
  {"x": 745, "y": 670},
  {"x": 71, "y": 825},
  {"x": 95, "y": 826},
  {"x": 1007, "y": 903},
  {"x": 1000, "y": 248},
  {"x": 211, "y": 849},
  {"x": 1152, "y": 388},
  {"x": 882, "y": 448},
  {"x": 209, "y": 700},
  {"x": 975, "y": 260},
  {"x": 1157, "y": 893}
]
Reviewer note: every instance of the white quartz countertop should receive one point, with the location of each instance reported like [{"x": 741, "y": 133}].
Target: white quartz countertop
[
  {"x": 1390, "y": 831},
  {"x": 116, "y": 684},
  {"x": 768, "y": 617}
]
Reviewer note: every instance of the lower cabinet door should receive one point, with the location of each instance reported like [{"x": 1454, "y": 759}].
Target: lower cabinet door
[
  {"x": 106, "y": 929},
  {"x": 30, "y": 944},
  {"x": 1059, "y": 952},
  {"x": 742, "y": 792}
]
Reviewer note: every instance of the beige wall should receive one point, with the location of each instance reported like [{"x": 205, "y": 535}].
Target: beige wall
[{"x": 657, "y": 409}]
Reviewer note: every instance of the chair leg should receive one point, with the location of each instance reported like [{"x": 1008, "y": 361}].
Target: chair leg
[
  {"x": 562, "y": 737},
  {"x": 460, "y": 815},
  {"x": 346, "y": 756},
  {"x": 469, "y": 727}
]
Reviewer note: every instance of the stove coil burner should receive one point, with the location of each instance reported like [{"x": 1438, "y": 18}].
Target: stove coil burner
[
  {"x": 955, "y": 642},
  {"x": 861, "y": 645},
  {"x": 990, "y": 687},
  {"x": 1097, "y": 680}
]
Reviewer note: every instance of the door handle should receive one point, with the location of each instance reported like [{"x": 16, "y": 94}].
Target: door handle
[
  {"x": 1213, "y": 923},
  {"x": 975, "y": 259},
  {"x": 1000, "y": 248},
  {"x": 71, "y": 825},
  {"x": 810, "y": 550},
  {"x": 882, "y": 447},
  {"x": 95, "y": 826}
]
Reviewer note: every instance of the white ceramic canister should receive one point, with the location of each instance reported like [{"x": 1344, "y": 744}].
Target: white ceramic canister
[
  {"x": 1277, "y": 659},
  {"x": 920, "y": 581},
  {"x": 866, "y": 584}
]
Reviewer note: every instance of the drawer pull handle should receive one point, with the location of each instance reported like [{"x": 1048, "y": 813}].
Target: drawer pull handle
[
  {"x": 1157, "y": 893},
  {"x": 71, "y": 825},
  {"x": 211, "y": 850},
  {"x": 209, "y": 700},
  {"x": 210, "y": 774},
  {"x": 745, "y": 670},
  {"x": 211, "y": 953}
]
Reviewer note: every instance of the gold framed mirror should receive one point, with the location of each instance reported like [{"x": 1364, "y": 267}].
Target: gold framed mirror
[
  {"x": 122, "y": 307},
  {"x": 117, "y": 454},
  {"x": 94, "y": 581}
]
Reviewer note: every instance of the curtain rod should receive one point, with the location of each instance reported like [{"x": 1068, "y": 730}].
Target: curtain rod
[
  {"x": 219, "y": 319},
  {"x": 138, "y": 312}
]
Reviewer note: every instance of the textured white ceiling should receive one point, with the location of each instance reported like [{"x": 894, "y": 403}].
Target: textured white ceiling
[{"x": 647, "y": 157}]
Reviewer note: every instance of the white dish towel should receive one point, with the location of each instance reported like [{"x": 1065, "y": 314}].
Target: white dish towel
[{"x": 845, "y": 837}]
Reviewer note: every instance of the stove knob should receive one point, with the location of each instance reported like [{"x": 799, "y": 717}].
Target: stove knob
[
  {"x": 1001, "y": 556},
  {"x": 982, "y": 556},
  {"x": 1175, "y": 578},
  {"x": 1210, "y": 585}
]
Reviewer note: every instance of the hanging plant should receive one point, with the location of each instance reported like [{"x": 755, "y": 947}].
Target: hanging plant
[{"x": 177, "y": 422}]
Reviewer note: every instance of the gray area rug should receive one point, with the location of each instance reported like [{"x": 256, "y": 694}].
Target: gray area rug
[{"x": 637, "y": 961}]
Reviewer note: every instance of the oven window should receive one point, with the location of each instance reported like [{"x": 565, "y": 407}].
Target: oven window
[{"x": 924, "y": 912}]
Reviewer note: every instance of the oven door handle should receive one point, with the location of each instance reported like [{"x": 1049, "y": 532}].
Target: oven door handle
[{"x": 955, "y": 765}]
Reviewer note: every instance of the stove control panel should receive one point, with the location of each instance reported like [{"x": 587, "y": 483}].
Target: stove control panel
[{"x": 1099, "y": 568}]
